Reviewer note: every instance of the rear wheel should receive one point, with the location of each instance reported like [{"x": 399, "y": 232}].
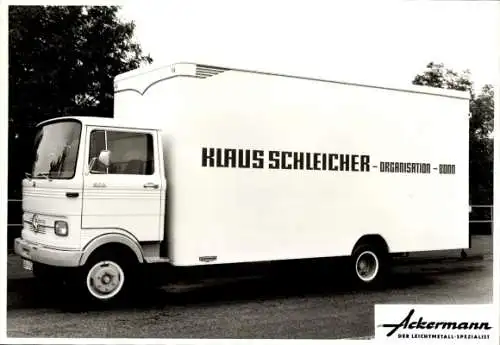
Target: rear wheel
[{"x": 370, "y": 265}]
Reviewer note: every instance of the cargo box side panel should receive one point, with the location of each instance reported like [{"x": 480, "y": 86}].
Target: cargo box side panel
[
  {"x": 226, "y": 212},
  {"x": 259, "y": 213}
]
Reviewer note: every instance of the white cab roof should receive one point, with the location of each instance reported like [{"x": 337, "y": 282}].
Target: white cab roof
[{"x": 103, "y": 122}]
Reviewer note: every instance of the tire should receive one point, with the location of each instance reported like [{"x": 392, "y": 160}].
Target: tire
[
  {"x": 105, "y": 278},
  {"x": 369, "y": 265}
]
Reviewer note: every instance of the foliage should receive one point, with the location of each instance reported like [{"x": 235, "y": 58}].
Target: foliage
[
  {"x": 437, "y": 75},
  {"x": 480, "y": 127},
  {"x": 62, "y": 60}
]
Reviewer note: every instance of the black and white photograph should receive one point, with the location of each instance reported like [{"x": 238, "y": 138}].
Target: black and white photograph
[{"x": 311, "y": 170}]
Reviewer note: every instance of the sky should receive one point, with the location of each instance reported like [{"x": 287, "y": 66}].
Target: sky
[{"x": 386, "y": 42}]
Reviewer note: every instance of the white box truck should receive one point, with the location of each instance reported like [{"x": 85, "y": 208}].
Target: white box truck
[{"x": 205, "y": 166}]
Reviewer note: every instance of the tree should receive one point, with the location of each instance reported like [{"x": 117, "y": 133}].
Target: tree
[
  {"x": 480, "y": 127},
  {"x": 437, "y": 75},
  {"x": 62, "y": 62},
  {"x": 481, "y": 147}
]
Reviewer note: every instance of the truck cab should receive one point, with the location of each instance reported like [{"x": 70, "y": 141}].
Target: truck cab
[{"x": 93, "y": 202}]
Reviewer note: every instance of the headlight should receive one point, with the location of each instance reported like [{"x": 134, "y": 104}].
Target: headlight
[{"x": 61, "y": 228}]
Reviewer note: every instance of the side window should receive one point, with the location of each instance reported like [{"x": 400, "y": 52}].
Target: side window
[
  {"x": 97, "y": 144},
  {"x": 131, "y": 153}
]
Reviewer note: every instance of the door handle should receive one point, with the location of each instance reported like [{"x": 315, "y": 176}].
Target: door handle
[{"x": 151, "y": 185}]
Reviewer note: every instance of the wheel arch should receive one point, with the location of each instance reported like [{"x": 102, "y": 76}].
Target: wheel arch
[
  {"x": 112, "y": 240},
  {"x": 372, "y": 239}
]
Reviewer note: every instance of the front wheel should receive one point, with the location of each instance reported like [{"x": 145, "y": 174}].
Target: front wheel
[
  {"x": 370, "y": 265},
  {"x": 105, "y": 278}
]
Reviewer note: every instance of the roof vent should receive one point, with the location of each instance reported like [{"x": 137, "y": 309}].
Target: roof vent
[{"x": 203, "y": 71}]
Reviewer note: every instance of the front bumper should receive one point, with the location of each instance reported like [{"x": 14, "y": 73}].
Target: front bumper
[{"x": 45, "y": 255}]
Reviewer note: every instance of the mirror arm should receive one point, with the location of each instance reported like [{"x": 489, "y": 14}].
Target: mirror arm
[{"x": 92, "y": 163}]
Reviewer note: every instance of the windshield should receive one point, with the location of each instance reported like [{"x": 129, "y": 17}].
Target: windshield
[{"x": 56, "y": 150}]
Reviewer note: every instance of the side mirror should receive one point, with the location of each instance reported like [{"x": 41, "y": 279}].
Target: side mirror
[{"x": 104, "y": 158}]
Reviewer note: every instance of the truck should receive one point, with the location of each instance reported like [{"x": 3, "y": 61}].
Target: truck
[{"x": 208, "y": 168}]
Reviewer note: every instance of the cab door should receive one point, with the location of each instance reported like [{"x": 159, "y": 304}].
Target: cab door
[{"x": 125, "y": 195}]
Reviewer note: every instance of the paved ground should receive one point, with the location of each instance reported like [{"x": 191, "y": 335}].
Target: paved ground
[{"x": 309, "y": 308}]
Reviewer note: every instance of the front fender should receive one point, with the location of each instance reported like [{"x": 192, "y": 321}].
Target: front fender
[{"x": 115, "y": 237}]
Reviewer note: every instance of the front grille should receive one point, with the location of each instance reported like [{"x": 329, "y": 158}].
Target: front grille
[{"x": 42, "y": 229}]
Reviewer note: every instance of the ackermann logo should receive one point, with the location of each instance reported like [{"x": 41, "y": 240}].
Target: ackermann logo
[{"x": 406, "y": 323}]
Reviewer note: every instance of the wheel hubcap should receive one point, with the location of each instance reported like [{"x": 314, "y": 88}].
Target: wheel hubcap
[
  {"x": 367, "y": 266},
  {"x": 105, "y": 279}
]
